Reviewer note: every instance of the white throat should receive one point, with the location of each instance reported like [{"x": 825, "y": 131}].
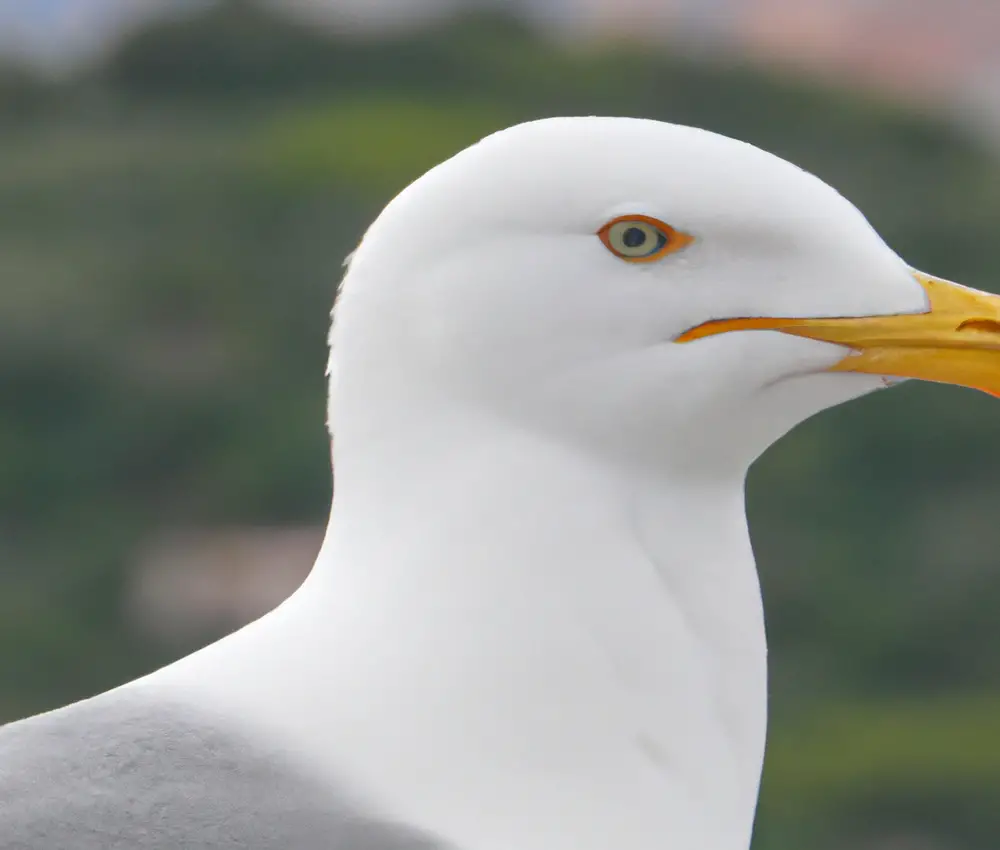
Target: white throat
[{"x": 515, "y": 646}]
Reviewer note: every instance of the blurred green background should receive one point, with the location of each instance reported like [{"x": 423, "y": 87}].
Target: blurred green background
[{"x": 172, "y": 222}]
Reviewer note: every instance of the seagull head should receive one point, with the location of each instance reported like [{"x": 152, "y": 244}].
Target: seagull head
[{"x": 659, "y": 293}]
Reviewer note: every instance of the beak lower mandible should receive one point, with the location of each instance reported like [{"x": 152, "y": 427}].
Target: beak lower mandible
[{"x": 956, "y": 341}]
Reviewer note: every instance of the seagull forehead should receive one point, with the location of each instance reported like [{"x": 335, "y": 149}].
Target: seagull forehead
[{"x": 569, "y": 175}]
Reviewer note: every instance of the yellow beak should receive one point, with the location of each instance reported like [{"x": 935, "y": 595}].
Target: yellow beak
[{"x": 957, "y": 341}]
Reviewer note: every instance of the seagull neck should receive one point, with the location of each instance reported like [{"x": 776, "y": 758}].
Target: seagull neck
[{"x": 582, "y": 640}]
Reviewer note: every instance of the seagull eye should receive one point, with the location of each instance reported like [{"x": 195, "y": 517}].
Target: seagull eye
[{"x": 641, "y": 239}]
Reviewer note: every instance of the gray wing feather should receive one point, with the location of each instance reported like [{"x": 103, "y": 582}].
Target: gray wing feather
[{"x": 117, "y": 772}]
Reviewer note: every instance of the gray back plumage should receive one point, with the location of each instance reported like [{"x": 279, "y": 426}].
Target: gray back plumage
[{"x": 120, "y": 772}]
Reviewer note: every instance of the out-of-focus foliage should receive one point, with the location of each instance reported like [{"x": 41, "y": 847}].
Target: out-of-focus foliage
[{"x": 172, "y": 224}]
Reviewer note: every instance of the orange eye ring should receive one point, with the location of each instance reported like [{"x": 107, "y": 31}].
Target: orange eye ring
[{"x": 641, "y": 238}]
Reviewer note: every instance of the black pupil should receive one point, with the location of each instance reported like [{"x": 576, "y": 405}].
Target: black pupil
[{"x": 634, "y": 237}]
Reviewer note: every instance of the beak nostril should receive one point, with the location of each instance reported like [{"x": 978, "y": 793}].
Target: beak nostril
[{"x": 984, "y": 325}]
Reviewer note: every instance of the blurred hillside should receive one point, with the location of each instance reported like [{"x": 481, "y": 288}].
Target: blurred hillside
[
  {"x": 172, "y": 224},
  {"x": 941, "y": 54}
]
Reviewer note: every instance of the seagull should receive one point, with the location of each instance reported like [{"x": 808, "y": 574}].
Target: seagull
[{"x": 535, "y": 621}]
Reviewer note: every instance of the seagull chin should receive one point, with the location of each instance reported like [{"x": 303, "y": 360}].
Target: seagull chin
[{"x": 535, "y": 621}]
